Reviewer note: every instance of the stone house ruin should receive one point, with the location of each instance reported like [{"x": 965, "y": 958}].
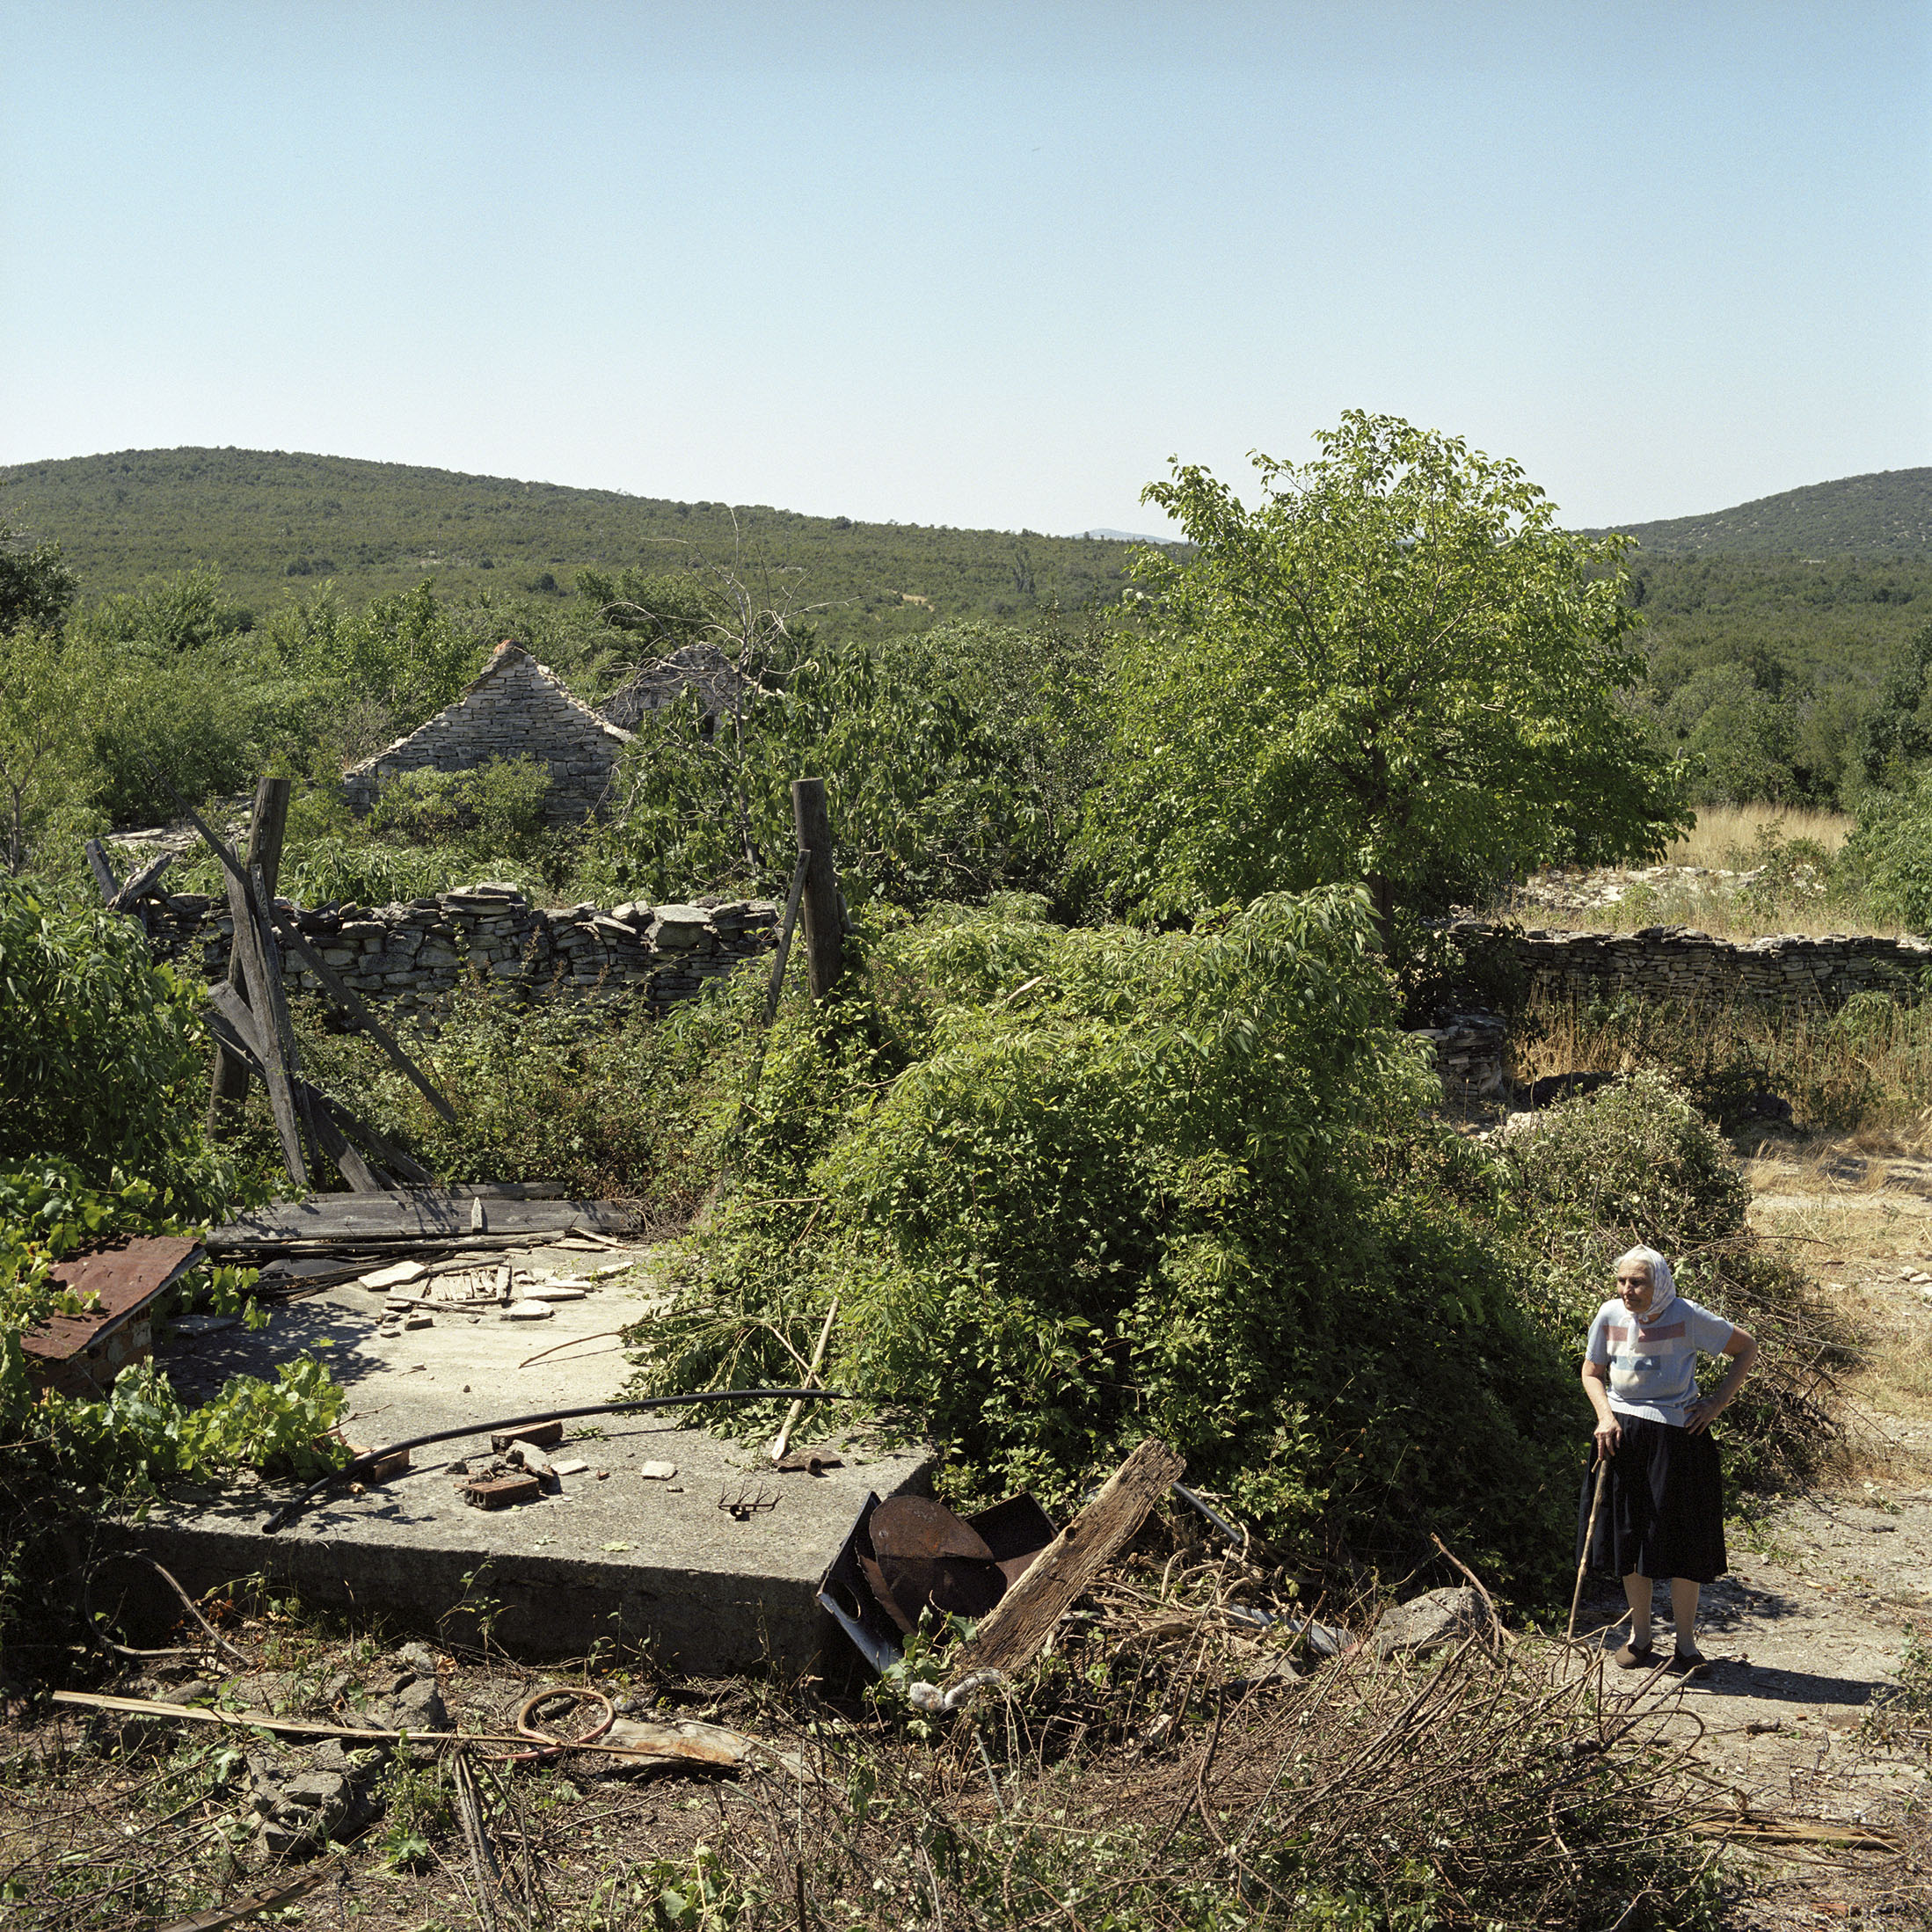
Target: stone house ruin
[
  {"x": 702, "y": 666},
  {"x": 516, "y": 709}
]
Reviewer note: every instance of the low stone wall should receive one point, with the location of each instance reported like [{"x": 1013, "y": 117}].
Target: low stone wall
[
  {"x": 410, "y": 956},
  {"x": 1679, "y": 963}
]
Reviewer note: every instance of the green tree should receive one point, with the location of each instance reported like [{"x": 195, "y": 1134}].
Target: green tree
[
  {"x": 36, "y": 586},
  {"x": 1898, "y": 728},
  {"x": 46, "y": 771},
  {"x": 1394, "y": 669}
]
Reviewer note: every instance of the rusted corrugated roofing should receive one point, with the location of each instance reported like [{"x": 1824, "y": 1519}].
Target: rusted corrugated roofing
[{"x": 121, "y": 1278}]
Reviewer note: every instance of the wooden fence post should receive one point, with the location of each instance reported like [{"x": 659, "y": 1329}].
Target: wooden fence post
[
  {"x": 229, "y": 1088},
  {"x": 824, "y": 907}
]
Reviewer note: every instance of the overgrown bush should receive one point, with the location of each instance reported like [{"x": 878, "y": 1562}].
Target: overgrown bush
[
  {"x": 1891, "y": 851},
  {"x": 1070, "y": 1187},
  {"x": 625, "y": 1105},
  {"x": 101, "y": 1051}
]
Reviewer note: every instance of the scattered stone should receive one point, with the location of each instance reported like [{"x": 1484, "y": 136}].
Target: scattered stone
[
  {"x": 395, "y": 1275},
  {"x": 657, "y": 1472},
  {"x": 204, "y": 1324},
  {"x": 552, "y": 1292},
  {"x": 576, "y": 1466},
  {"x": 418, "y": 1320},
  {"x": 1428, "y": 1623},
  {"x": 526, "y": 1311}
]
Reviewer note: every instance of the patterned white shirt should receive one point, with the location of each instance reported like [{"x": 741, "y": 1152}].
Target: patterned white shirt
[{"x": 1652, "y": 1358}]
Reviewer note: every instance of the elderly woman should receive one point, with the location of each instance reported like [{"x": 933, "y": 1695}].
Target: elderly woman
[{"x": 1663, "y": 1512}]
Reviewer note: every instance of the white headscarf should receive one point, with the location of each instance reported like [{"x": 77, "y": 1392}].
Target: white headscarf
[{"x": 1663, "y": 1282}]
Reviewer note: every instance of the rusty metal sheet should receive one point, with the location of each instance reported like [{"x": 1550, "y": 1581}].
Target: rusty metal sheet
[
  {"x": 925, "y": 1554},
  {"x": 122, "y": 1279}
]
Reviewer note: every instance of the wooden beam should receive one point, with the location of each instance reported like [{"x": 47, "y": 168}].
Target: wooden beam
[
  {"x": 228, "y": 1087},
  {"x": 278, "y": 921},
  {"x": 104, "y": 882},
  {"x": 824, "y": 909},
  {"x": 353, "y": 1168},
  {"x": 353, "y": 1004},
  {"x": 270, "y": 1011},
  {"x": 141, "y": 883},
  {"x": 1012, "y": 1632},
  {"x": 384, "y": 1152}
]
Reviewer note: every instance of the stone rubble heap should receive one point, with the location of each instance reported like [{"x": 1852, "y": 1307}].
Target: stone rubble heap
[{"x": 410, "y": 956}]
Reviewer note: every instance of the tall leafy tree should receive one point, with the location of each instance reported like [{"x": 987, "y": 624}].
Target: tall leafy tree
[
  {"x": 1394, "y": 669},
  {"x": 36, "y": 586}
]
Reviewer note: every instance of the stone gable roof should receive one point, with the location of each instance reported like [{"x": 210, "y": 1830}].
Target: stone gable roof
[{"x": 514, "y": 708}]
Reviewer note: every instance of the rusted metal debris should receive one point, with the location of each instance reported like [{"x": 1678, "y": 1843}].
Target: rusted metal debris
[
  {"x": 903, "y": 1556},
  {"x": 749, "y": 1500},
  {"x": 81, "y": 1354}
]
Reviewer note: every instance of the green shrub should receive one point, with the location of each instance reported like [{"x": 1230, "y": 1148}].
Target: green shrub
[
  {"x": 101, "y": 1051},
  {"x": 1891, "y": 851},
  {"x": 1074, "y": 1186}
]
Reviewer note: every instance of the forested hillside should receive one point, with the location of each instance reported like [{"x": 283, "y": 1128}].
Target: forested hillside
[
  {"x": 274, "y": 522},
  {"x": 1886, "y": 514}
]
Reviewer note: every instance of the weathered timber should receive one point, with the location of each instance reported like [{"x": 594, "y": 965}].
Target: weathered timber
[
  {"x": 798, "y": 875},
  {"x": 824, "y": 909},
  {"x": 104, "y": 882},
  {"x": 411, "y": 1216},
  {"x": 406, "y": 1167},
  {"x": 243, "y": 1021},
  {"x": 348, "y": 1160},
  {"x": 264, "y": 996},
  {"x": 1013, "y": 1630},
  {"x": 352, "y": 1004},
  {"x": 228, "y": 1087},
  {"x": 143, "y": 883}
]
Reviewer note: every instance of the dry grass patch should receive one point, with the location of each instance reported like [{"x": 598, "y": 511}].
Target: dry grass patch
[{"x": 1722, "y": 831}]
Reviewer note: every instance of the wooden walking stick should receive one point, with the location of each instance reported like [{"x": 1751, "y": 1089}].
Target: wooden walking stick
[{"x": 1589, "y": 1537}]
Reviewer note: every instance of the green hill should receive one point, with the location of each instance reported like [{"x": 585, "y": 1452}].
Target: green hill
[
  {"x": 1887, "y": 514},
  {"x": 274, "y": 522}
]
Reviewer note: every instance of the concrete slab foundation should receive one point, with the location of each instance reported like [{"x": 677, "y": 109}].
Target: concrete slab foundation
[{"x": 612, "y": 1556}]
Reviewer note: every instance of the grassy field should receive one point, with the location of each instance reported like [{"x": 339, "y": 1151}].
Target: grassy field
[{"x": 1728, "y": 836}]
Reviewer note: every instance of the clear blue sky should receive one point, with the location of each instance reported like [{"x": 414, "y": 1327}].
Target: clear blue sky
[{"x": 974, "y": 263}]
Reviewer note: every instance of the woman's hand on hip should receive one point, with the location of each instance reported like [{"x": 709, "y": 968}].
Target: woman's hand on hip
[{"x": 1609, "y": 1433}]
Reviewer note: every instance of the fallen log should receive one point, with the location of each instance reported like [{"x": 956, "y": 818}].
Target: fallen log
[{"x": 1013, "y": 1630}]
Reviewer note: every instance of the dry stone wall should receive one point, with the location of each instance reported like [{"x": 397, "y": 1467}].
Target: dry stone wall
[
  {"x": 1679, "y": 962},
  {"x": 516, "y": 709},
  {"x": 410, "y": 956}
]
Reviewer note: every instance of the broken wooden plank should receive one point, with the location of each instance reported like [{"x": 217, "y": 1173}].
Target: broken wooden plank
[
  {"x": 349, "y": 1001},
  {"x": 352, "y": 1004},
  {"x": 104, "y": 882},
  {"x": 265, "y": 998},
  {"x": 143, "y": 883},
  {"x": 405, "y": 1166},
  {"x": 1015, "y": 1628},
  {"x": 228, "y": 1085},
  {"x": 415, "y": 1214},
  {"x": 242, "y": 1020},
  {"x": 348, "y": 1160}
]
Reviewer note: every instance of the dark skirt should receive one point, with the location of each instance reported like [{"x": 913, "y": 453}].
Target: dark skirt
[{"x": 1663, "y": 1512}]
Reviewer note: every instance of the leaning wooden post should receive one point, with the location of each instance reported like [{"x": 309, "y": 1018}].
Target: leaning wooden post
[
  {"x": 824, "y": 907},
  {"x": 227, "y": 1090}
]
